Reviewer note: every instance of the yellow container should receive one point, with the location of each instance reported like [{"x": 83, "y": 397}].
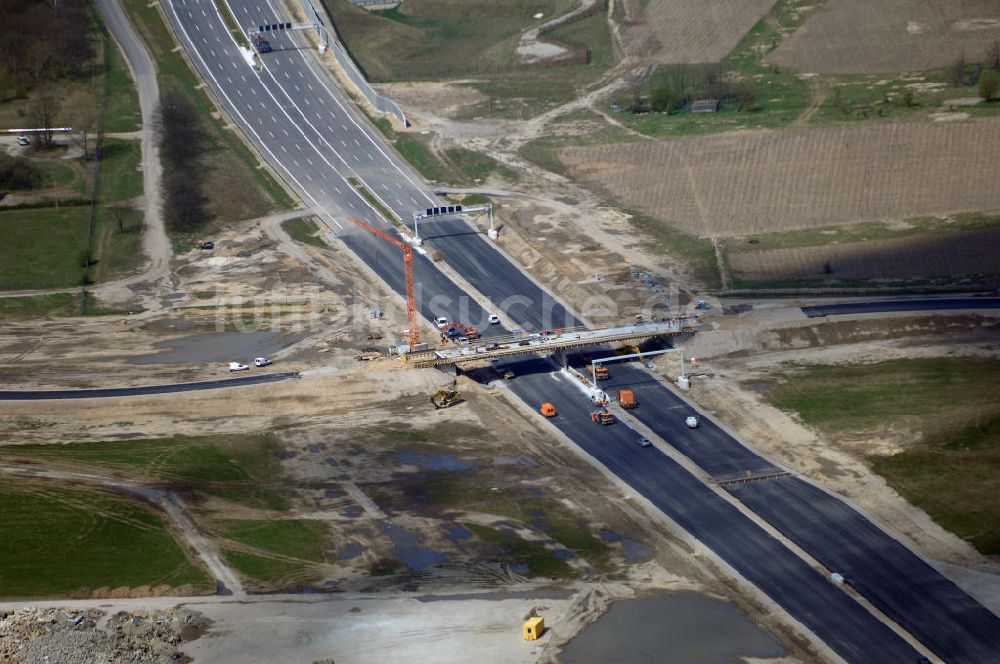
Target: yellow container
[{"x": 533, "y": 628}]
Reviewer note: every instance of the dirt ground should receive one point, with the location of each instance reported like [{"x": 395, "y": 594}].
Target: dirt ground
[
  {"x": 859, "y": 36},
  {"x": 762, "y": 181},
  {"x": 736, "y": 356},
  {"x": 687, "y": 31},
  {"x": 925, "y": 256}
]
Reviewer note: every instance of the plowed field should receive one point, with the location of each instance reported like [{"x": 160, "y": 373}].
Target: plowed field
[
  {"x": 763, "y": 181},
  {"x": 866, "y": 36}
]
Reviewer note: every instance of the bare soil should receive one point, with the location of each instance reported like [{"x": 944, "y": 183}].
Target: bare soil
[
  {"x": 923, "y": 256},
  {"x": 770, "y": 181},
  {"x": 687, "y": 31},
  {"x": 858, "y": 36}
]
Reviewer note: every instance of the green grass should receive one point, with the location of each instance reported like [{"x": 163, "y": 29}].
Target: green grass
[
  {"x": 304, "y": 231},
  {"x": 237, "y": 185},
  {"x": 544, "y": 150},
  {"x": 267, "y": 570},
  {"x": 296, "y": 539},
  {"x": 663, "y": 238},
  {"x": 515, "y": 550},
  {"x": 781, "y": 95},
  {"x": 54, "y": 541},
  {"x": 40, "y": 248},
  {"x": 231, "y": 24},
  {"x": 120, "y": 178},
  {"x": 956, "y": 480},
  {"x": 242, "y": 468},
  {"x": 472, "y": 166},
  {"x": 929, "y": 395},
  {"x": 122, "y": 113},
  {"x": 415, "y": 150},
  {"x": 592, "y": 32},
  {"x": 37, "y": 306}
]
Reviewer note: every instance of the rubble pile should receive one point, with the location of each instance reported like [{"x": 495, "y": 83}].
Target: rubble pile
[{"x": 50, "y": 635}]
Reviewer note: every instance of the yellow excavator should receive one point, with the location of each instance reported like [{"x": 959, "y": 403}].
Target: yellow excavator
[{"x": 446, "y": 398}]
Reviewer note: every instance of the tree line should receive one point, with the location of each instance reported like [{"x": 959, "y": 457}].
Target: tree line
[
  {"x": 183, "y": 142},
  {"x": 671, "y": 89}
]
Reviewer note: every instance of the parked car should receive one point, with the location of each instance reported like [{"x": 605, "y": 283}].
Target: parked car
[
  {"x": 441, "y": 321},
  {"x": 261, "y": 361},
  {"x": 494, "y": 319},
  {"x": 691, "y": 422},
  {"x": 207, "y": 246},
  {"x": 644, "y": 442},
  {"x": 236, "y": 366},
  {"x": 23, "y": 140}
]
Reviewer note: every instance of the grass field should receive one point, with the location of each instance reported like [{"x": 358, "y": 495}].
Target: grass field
[
  {"x": 514, "y": 550},
  {"x": 40, "y": 248},
  {"x": 304, "y": 231},
  {"x": 243, "y": 469},
  {"x": 296, "y": 539},
  {"x": 55, "y": 541},
  {"x": 38, "y": 305},
  {"x": 952, "y": 469},
  {"x": 237, "y": 186}
]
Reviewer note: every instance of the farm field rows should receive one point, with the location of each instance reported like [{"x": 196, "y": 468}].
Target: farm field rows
[{"x": 757, "y": 182}]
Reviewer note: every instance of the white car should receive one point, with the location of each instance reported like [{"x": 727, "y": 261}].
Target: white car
[
  {"x": 261, "y": 361},
  {"x": 236, "y": 366},
  {"x": 441, "y": 321},
  {"x": 23, "y": 140},
  {"x": 494, "y": 319},
  {"x": 691, "y": 422}
]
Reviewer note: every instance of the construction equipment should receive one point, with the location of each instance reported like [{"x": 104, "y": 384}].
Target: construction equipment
[
  {"x": 602, "y": 416},
  {"x": 626, "y": 399},
  {"x": 533, "y": 628},
  {"x": 411, "y": 303},
  {"x": 601, "y": 372},
  {"x": 548, "y": 410},
  {"x": 445, "y": 398}
]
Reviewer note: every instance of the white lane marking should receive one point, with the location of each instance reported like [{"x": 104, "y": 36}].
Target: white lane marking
[{"x": 271, "y": 133}]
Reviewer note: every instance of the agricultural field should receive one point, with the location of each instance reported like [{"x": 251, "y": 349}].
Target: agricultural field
[
  {"x": 687, "y": 31},
  {"x": 768, "y": 181},
  {"x": 943, "y": 412},
  {"x": 859, "y": 36}
]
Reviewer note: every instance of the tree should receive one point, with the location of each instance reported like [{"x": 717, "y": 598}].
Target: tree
[
  {"x": 663, "y": 100},
  {"x": 748, "y": 97},
  {"x": 989, "y": 85},
  {"x": 958, "y": 72},
  {"x": 121, "y": 213},
  {"x": 43, "y": 113},
  {"x": 993, "y": 55}
]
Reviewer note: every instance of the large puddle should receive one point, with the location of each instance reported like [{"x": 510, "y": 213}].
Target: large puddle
[
  {"x": 685, "y": 628},
  {"x": 220, "y": 347}
]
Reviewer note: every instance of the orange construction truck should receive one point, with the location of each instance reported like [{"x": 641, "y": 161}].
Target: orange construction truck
[{"x": 626, "y": 399}]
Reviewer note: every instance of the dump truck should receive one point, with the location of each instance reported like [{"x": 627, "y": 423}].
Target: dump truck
[
  {"x": 602, "y": 417},
  {"x": 548, "y": 410},
  {"x": 445, "y": 398},
  {"x": 626, "y": 399}
]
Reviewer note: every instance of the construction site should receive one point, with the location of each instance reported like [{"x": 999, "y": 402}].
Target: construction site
[{"x": 492, "y": 357}]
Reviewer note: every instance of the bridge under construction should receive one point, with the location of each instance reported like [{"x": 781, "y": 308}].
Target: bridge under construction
[{"x": 555, "y": 341}]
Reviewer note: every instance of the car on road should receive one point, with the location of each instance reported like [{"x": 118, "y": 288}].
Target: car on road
[
  {"x": 441, "y": 322},
  {"x": 691, "y": 422},
  {"x": 23, "y": 140},
  {"x": 261, "y": 361},
  {"x": 494, "y": 319},
  {"x": 236, "y": 366},
  {"x": 644, "y": 442}
]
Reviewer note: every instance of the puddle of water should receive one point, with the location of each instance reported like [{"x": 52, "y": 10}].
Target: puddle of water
[
  {"x": 333, "y": 462},
  {"x": 608, "y": 536},
  {"x": 563, "y": 554},
  {"x": 763, "y": 387},
  {"x": 313, "y": 447},
  {"x": 685, "y": 628},
  {"x": 522, "y": 461},
  {"x": 287, "y": 454},
  {"x": 409, "y": 550},
  {"x": 352, "y": 511},
  {"x": 219, "y": 347},
  {"x": 350, "y": 550},
  {"x": 457, "y": 531},
  {"x": 541, "y": 593},
  {"x": 333, "y": 493},
  {"x": 444, "y": 462},
  {"x": 634, "y": 552}
]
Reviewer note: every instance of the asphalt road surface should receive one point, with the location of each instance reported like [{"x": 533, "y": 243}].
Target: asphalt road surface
[
  {"x": 310, "y": 135},
  {"x": 242, "y": 381},
  {"x": 891, "y": 306},
  {"x": 822, "y": 607}
]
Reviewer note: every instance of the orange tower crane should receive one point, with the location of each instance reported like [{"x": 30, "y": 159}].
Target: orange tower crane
[{"x": 411, "y": 303}]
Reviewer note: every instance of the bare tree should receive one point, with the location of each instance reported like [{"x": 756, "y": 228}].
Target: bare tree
[
  {"x": 993, "y": 55},
  {"x": 958, "y": 72},
  {"x": 989, "y": 85},
  {"x": 43, "y": 113},
  {"x": 121, "y": 213}
]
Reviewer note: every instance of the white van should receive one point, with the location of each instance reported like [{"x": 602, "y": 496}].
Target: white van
[{"x": 236, "y": 366}]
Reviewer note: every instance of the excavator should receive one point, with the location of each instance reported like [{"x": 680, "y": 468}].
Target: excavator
[
  {"x": 446, "y": 398},
  {"x": 601, "y": 416}
]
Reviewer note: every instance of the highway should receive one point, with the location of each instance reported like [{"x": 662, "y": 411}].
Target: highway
[
  {"x": 816, "y": 602},
  {"x": 310, "y": 135},
  {"x": 141, "y": 390},
  {"x": 892, "y": 306}
]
